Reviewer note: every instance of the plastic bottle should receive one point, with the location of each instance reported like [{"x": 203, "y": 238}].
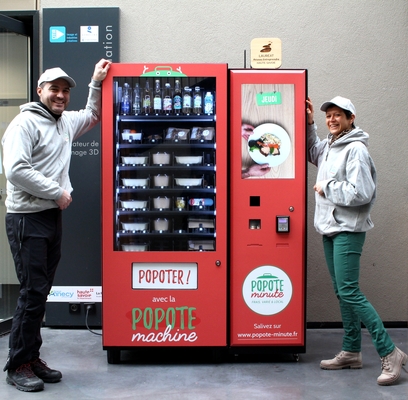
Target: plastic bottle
[
  {"x": 167, "y": 100},
  {"x": 147, "y": 105},
  {"x": 157, "y": 99},
  {"x": 136, "y": 100},
  {"x": 187, "y": 101},
  {"x": 197, "y": 101},
  {"x": 126, "y": 100},
  {"x": 177, "y": 99},
  {"x": 209, "y": 103}
]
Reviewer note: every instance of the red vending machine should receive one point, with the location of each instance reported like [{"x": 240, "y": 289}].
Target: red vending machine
[
  {"x": 268, "y": 210},
  {"x": 164, "y": 233}
]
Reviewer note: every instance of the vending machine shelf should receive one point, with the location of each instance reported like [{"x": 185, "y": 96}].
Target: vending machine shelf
[
  {"x": 168, "y": 168},
  {"x": 166, "y": 118},
  {"x": 162, "y": 212}
]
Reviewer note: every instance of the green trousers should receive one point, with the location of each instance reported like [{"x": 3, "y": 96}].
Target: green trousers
[{"x": 343, "y": 252}]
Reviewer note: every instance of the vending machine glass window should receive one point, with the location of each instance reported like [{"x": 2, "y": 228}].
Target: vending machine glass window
[{"x": 164, "y": 161}]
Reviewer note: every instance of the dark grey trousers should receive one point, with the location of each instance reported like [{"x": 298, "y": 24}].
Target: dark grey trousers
[{"x": 35, "y": 242}]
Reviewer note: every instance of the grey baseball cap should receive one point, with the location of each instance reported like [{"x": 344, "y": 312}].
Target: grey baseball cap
[
  {"x": 341, "y": 102},
  {"x": 52, "y": 74}
]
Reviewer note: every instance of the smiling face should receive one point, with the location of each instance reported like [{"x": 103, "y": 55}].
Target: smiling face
[
  {"x": 337, "y": 120},
  {"x": 55, "y": 95}
]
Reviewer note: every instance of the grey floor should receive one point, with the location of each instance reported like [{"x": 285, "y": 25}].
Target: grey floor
[{"x": 187, "y": 375}]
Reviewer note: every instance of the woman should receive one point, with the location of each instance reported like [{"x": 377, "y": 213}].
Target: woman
[{"x": 345, "y": 193}]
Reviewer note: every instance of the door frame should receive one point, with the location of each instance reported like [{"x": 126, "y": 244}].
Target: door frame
[
  {"x": 24, "y": 23},
  {"x": 27, "y": 23}
]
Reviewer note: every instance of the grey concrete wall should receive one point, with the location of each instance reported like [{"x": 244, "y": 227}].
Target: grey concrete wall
[{"x": 357, "y": 49}]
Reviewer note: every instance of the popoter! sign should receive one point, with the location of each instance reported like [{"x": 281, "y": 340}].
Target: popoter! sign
[{"x": 164, "y": 276}]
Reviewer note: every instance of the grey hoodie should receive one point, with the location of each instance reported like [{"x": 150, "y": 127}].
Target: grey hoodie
[
  {"x": 37, "y": 153},
  {"x": 347, "y": 174}
]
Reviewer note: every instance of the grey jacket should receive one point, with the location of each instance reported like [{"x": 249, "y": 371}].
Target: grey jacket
[
  {"x": 347, "y": 174},
  {"x": 37, "y": 152}
]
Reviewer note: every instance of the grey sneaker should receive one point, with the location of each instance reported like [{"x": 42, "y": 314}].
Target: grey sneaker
[
  {"x": 23, "y": 378},
  {"x": 345, "y": 359},
  {"x": 391, "y": 366}
]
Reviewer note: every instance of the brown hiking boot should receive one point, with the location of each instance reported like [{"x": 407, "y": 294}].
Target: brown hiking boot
[
  {"x": 391, "y": 366},
  {"x": 345, "y": 359}
]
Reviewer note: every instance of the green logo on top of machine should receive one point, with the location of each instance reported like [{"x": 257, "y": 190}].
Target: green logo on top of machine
[{"x": 163, "y": 71}]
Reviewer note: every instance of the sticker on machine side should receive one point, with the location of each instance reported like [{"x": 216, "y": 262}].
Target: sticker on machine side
[
  {"x": 68, "y": 294},
  {"x": 267, "y": 290},
  {"x": 164, "y": 276}
]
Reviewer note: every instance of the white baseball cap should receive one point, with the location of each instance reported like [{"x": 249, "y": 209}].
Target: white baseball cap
[
  {"x": 52, "y": 74},
  {"x": 341, "y": 102}
]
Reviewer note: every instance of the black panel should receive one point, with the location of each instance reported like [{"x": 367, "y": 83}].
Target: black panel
[{"x": 76, "y": 51}]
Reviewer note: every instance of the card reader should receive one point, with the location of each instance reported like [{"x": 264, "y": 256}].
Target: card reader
[{"x": 282, "y": 224}]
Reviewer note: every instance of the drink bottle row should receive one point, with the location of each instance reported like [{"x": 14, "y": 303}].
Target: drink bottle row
[{"x": 165, "y": 100}]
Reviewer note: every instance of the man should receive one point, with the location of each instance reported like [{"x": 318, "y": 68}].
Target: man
[{"x": 36, "y": 158}]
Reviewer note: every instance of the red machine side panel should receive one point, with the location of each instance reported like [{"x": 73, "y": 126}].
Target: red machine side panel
[{"x": 268, "y": 207}]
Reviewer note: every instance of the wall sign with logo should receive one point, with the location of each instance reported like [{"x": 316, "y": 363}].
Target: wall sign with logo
[{"x": 266, "y": 53}]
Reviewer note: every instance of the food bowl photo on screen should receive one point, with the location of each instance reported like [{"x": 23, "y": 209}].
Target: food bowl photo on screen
[
  {"x": 134, "y": 160},
  {"x": 186, "y": 182},
  {"x": 269, "y": 144},
  {"x": 141, "y": 182},
  {"x": 133, "y": 204},
  {"x": 187, "y": 160}
]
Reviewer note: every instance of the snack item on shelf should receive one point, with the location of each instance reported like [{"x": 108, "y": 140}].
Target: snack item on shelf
[
  {"x": 140, "y": 182},
  {"x": 135, "y": 247},
  {"x": 131, "y": 134},
  {"x": 133, "y": 204},
  {"x": 187, "y": 160},
  {"x": 188, "y": 181},
  {"x": 161, "y": 202},
  {"x": 161, "y": 158},
  {"x": 161, "y": 224},
  {"x": 200, "y": 224},
  {"x": 180, "y": 203},
  {"x": 200, "y": 245},
  {"x": 135, "y": 226},
  {"x": 202, "y": 133},
  {"x": 134, "y": 160},
  {"x": 161, "y": 180},
  {"x": 177, "y": 134},
  {"x": 200, "y": 202},
  {"x": 154, "y": 138}
]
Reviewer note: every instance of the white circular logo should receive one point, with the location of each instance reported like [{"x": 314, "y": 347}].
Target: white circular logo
[{"x": 267, "y": 290}]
